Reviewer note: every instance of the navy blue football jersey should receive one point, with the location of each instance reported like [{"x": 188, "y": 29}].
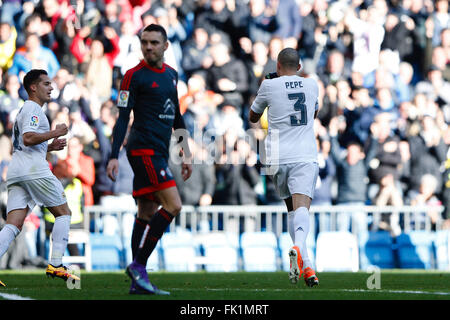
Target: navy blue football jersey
[{"x": 152, "y": 95}]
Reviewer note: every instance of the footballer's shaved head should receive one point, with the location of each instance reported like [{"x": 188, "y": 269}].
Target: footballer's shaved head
[{"x": 289, "y": 58}]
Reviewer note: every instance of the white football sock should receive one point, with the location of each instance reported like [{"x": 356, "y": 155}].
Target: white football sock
[
  {"x": 301, "y": 230},
  {"x": 60, "y": 237},
  {"x": 291, "y": 225},
  {"x": 7, "y": 235}
]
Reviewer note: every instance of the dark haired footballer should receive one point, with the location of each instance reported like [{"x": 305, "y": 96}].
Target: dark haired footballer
[
  {"x": 150, "y": 90},
  {"x": 29, "y": 180}
]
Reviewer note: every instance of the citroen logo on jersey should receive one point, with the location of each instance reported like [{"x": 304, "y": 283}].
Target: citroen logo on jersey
[
  {"x": 169, "y": 110},
  {"x": 155, "y": 85}
]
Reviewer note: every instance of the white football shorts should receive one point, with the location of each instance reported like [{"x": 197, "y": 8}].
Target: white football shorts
[
  {"x": 298, "y": 177},
  {"x": 47, "y": 192}
]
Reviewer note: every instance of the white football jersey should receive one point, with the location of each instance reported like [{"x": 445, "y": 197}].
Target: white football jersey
[
  {"x": 30, "y": 162},
  {"x": 292, "y": 102}
]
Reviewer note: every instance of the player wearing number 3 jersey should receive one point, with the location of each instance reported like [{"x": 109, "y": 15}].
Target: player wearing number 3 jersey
[{"x": 291, "y": 147}]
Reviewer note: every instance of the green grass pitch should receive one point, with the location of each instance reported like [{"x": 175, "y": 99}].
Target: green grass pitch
[{"x": 394, "y": 284}]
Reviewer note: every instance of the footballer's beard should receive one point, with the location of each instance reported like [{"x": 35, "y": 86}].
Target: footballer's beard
[{"x": 153, "y": 59}]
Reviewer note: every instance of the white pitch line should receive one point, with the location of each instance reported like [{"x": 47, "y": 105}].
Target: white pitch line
[
  {"x": 330, "y": 290},
  {"x": 9, "y": 296},
  {"x": 397, "y": 291}
]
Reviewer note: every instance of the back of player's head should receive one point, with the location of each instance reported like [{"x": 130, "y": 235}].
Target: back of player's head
[
  {"x": 32, "y": 77},
  {"x": 156, "y": 28},
  {"x": 289, "y": 58}
]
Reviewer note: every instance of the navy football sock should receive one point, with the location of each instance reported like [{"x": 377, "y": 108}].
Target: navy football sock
[
  {"x": 152, "y": 233},
  {"x": 136, "y": 236}
]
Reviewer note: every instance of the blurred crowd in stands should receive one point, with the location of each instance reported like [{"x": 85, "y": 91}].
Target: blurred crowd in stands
[{"x": 383, "y": 68}]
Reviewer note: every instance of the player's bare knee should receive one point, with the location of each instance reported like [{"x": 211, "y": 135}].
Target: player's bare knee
[
  {"x": 145, "y": 215},
  {"x": 62, "y": 210},
  {"x": 174, "y": 209}
]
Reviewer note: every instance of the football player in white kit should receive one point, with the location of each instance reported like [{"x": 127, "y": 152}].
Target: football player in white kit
[
  {"x": 291, "y": 149},
  {"x": 29, "y": 179}
]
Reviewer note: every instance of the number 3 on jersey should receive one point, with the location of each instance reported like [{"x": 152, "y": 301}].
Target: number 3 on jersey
[{"x": 299, "y": 105}]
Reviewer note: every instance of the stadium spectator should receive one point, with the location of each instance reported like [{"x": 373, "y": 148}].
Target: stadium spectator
[
  {"x": 399, "y": 34},
  {"x": 439, "y": 59},
  {"x": 261, "y": 21},
  {"x": 196, "y": 55},
  {"x": 10, "y": 103},
  {"x": 79, "y": 127},
  {"x": 405, "y": 166},
  {"x": 198, "y": 95},
  {"x": 34, "y": 23},
  {"x": 82, "y": 41},
  {"x": 441, "y": 20},
  {"x": 237, "y": 180},
  {"x": 403, "y": 84},
  {"x": 425, "y": 195},
  {"x": 328, "y": 108},
  {"x": 228, "y": 119},
  {"x": 34, "y": 55},
  {"x": 198, "y": 190},
  {"x": 175, "y": 35},
  {"x": 257, "y": 65},
  {"x": 335, "y": 69},
  {"x": 8, "y": 36},
  {"x": 387, "y": 158},
  {"x": 327, "y": 172},
  {"x": 384, "y": 174},
  {"x": 351, "y": 173},
  {"x": 77, "y": 165},
  {"x": 9, "y": 9},
  {"x": 65, "y": 32},
  {"x": 428, "y": 152},
  {"x": 288, "y": 18},
  {"x": 216, "y": 19},
  {"x": 274, "y": 47},
  {"x": 110, "y": 17},
  {"x": 435, "y": 87},
  {"x": 368, "y": 34},
  {"x": 107, "y": 192},
  {"x": 129, "y": 48},
  {"x": 307, "y": 43},
  {"x": 98, "y": 64},
  {"x": 383, "y": 103},
  {"x": 228, "y": 75}
]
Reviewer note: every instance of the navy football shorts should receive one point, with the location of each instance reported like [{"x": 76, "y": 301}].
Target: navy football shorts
[{"x": 151, "y": 173}]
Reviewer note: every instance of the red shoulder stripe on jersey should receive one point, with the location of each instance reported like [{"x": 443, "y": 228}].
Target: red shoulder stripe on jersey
[
  {"x": 165, "y": 64},
  {"x": 128, "y": 75}
]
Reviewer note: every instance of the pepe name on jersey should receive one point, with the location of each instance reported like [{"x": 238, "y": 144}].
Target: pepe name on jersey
[{"x": 293, "y": 84}]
